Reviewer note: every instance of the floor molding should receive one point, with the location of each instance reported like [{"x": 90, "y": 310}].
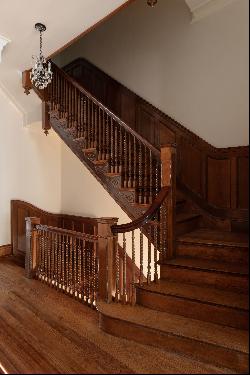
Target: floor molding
[{"x": 5, "y": 250}]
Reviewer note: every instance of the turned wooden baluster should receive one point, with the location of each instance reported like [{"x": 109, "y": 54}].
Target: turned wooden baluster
[
  {"x": 135, "y": 163},
  {"x": 149, "y": 256},
  {"x": 141, "y": 258},
  {"x": 140, "y": 187},
  {"x": 121, "y": 149},
  {"x": 156, "y": 277},
  {"x": 125, "y": 157},
  {"x": 133, "y": 294}
]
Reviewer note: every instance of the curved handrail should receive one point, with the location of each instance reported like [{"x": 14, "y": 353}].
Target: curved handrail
[
  {"x": 146, "y": 217},
  {"x": 154, "y": 150}
]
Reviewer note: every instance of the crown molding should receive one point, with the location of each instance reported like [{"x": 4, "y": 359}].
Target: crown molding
[
  {"x": 3, "y": 42},
  {"x": 203, "y": 8}
]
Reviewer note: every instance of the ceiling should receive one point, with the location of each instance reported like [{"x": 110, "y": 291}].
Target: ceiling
[{"x": 64, "y": 19}]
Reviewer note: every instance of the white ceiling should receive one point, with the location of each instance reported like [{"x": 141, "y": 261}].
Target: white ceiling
[
  {"x": 203, "y": 8},
  {"x": 64, "y": 20}
]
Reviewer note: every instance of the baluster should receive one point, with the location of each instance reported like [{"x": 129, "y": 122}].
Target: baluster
[
  {"x": 59, "y": 265},
  {"x": 85, "y": 126},
  {"x": 124, "y": 292},
  {"x": 56, "y": 260},
  {"x": 125, "y": 176},
  {"x": 141, "y": 259},
  {"x": 103, "y": 136},
  {"x": 75, "y": 266},
  {"x": 116, "y": 168},
  {"x": 155, "y": 250},
  {"x": 92, "y": 125},
  {"x": 88, "y": 274},
  {"x": 96, "y": 126},
  {"x": 133, "y": 297},
  {"x": 117, "y": 264},
  {"x": 150, "y": 178},
  {"x": 107, "y": 138},
  {"x": 145, "y": 193},
  {"x": 46, "y": 256},
  {"x": 70, "y": 264},
  {"x": 79, "y": 269},
  {"x": 100, "y": 135},
  {"x": 121, "y": 148},
  {"x": 135, "y": 163},
  {"x": 63, "y": 263},
  {"x": 149, "y": 256},
  {"x": 140, "y": 174},
  {"x": 111, "y": 161},
  {"x": 129, "y": 162},
  {"x": 84, "y": 284},
  {"x": 49, "y": 257}
]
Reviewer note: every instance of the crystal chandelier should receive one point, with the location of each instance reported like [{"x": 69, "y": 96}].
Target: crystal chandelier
[{"x": 41, "y": 74}]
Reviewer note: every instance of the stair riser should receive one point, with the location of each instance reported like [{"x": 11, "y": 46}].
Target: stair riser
[
  {"x": 193, "y": 309},
  {"x": 198, "y": 350},
  {"x": 230, "y": 282},
  {"x": 213, "y": 252},
  {"x": 187, "y": 226}
]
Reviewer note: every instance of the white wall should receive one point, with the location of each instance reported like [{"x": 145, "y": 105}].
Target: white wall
[
  {"x": 197, "y": 73},
  {"x": 30, "y": 166},
  {"x": 82, "y": 194}
]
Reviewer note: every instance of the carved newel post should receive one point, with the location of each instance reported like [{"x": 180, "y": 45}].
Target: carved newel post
[
  {"x": 168, "y": 158},
  {"x": 106, "y": 254},
  {"x": 31, "y": 246}
]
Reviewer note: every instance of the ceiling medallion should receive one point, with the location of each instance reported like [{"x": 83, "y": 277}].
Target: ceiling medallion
[
  {"x": 152, "y": 3},
  {"x": 41, "y": 74}
]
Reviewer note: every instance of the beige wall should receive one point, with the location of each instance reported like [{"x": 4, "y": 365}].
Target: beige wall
[
  {"x": 197, "y": 73},
  {"x": 30, "y": 166}
]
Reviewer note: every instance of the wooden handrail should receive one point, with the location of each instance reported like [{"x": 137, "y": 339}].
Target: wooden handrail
[
  {"x": 146, "y": 217},
  {"x": 66, "y": 232},
  {"x": 154, "y": 150}
]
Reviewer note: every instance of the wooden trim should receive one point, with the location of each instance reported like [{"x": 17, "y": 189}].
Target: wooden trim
[
  {"x": 91, "y": 28},
  {"x": 5, "y": 250}
]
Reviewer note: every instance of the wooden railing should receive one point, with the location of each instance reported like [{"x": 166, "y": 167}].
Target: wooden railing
[
  {"x": 95, "y": 267},
  {"x": 75, "y": 263}
]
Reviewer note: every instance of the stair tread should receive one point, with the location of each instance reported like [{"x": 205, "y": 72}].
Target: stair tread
[
  {"x": 199, "y": 293},
  {"x": 227, "y": 337},
  {"x": 214, "y": 237},
  {"x": 209, "y": 265},
  {"x": 185, "y": 216}
]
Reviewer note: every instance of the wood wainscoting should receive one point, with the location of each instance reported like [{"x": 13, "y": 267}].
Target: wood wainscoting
[
  {"x": 216, "y": 179},
  {"x": 5, "y": 250}
]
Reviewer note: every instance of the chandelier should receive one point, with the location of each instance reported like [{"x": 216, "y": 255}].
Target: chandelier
[{"x": 41, "y": 74}]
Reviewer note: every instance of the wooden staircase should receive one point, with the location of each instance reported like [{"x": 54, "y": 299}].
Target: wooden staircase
[{"x": 199, "y": 307}]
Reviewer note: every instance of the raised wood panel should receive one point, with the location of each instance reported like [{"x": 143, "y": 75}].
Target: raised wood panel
[
  {"x": 219, "y": 182},
  {"x": 145, "y": 123},
  {"x": 243, "y": 183},
  {"x": 191, "y": 167},
  {"x": 128, "y": 108}
]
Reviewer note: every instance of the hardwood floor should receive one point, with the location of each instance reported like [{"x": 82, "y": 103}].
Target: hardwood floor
[{"x": 43, "y": 331}]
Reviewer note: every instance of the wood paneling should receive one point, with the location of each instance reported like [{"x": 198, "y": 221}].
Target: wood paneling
[
  {"x": 243, "y": 182},
  {"x": 219, "y": 182},
  {"x": 5, "y": 250},
  {"x": 20, "y": 210},
  {"x": 216, "y": 179}
]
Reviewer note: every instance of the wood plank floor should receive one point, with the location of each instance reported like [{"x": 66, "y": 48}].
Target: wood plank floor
[{"x": 43, "y": 331}]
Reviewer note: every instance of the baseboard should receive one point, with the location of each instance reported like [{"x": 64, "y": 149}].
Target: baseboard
[{"x": 5, "y": 250}]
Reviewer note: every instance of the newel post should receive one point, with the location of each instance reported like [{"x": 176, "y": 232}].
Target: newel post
[
  {"x": 106, "y": 255},
  {"x": 31, "y": 246},
  {"x": 168, "y": 159}
]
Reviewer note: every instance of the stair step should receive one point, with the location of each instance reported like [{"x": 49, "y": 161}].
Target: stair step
[
  {"x": 197, "y": 302},
  {"x": 214, "y": 245},
  {"x": 233, "y": 277},
  {"x": 186, "y": 222},
  {"x": 208, "y": 342}
]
